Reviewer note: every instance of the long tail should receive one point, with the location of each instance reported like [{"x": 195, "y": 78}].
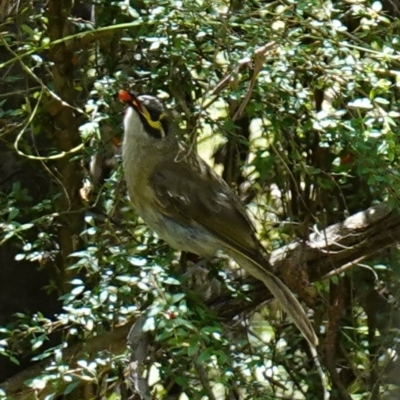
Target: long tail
[
  {"x": 296, "y": 312},
  {"x": 291, "y": 306},
  {"x": 289, "y": 303},
  {"x": 281, "y": 292}
]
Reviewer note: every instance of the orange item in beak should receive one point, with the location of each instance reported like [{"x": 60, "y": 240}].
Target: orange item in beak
[
  {"x": 129, "y": 98},
  {"x": 124, "y": 96}
]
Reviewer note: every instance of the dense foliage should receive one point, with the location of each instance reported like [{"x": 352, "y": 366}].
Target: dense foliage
[{"x": 296, "y": 102}]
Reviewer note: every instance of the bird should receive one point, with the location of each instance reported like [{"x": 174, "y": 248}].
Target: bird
[{"x": 181, "y": 198}]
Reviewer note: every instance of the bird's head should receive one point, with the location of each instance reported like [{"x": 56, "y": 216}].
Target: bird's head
[{"x": 145, "y": 114}]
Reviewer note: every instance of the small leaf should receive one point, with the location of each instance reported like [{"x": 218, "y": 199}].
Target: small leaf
[
  {"x": 38, "y": 342},
  {"x": 103, "y": 296},
  {"x": 205, "y": 356},
  {"x": 177, "y": 297},
  {"x": 361, "y": 103},
  {"x": 76, "y": 282},
  {"x": 78, "y": 290},
  {"x": 171, "y": 281},
  {"x": 25, "y": 227},
  {"x": 381, "y": 100},
  {"x": 143, "y": 286},
  {"x": 28, "y": 29},
  {"x": 12, "y": 214},
  {"x": 193, "y": 348},
  {"x": 71, "y": 387},
  {"x": 137, "y": 262},
  {"x": 149, "y": 325}
]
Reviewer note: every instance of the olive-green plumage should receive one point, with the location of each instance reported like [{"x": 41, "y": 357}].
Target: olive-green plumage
[{"x": 191, "y": 207}]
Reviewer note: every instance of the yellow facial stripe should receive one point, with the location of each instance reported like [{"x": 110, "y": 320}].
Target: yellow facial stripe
[{"x": 153, "y": 124}]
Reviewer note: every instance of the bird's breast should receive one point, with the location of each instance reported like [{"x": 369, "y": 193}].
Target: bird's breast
[{"x": 189, "y": 237}]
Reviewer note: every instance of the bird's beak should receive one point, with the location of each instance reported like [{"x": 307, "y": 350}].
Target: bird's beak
[{"x": 130, "y": 99}]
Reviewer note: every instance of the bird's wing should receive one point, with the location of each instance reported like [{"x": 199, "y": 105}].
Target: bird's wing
[{"x": 192, "y": 192}]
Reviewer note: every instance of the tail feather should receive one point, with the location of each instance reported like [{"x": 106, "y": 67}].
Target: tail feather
[
  {"x": 292, "y": 307},
  {"x": 281, "y": 292},
  {"x": 289, "y": 303}
]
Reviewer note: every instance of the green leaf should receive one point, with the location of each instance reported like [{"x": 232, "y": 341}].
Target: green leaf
[
  {"x": 71, "y": 387},
  {"x": 361, "y": 103},
  {"x": 205, "y": 356},
  {"x": 149, "y": 325},
  {"x": 194, "y": 348},
  {"x": 37, "y": 342}
]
